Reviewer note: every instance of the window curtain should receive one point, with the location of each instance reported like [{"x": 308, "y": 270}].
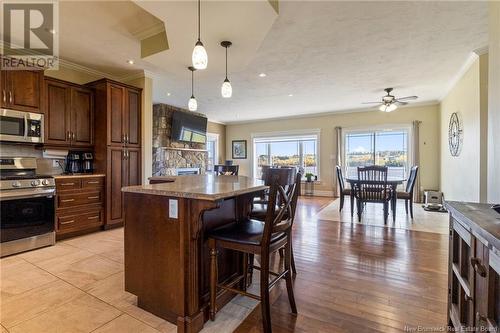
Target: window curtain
[
  {"x": 417, "y": 193},
  {"x": 338, "y": 133}
]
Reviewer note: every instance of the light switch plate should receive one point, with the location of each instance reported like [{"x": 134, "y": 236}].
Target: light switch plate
[{"x": 173, "y": 210}]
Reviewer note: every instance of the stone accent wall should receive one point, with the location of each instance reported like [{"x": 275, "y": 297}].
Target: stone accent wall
[{"x": 165, "y": 160}]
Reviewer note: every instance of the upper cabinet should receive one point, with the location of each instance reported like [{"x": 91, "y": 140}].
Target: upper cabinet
[
  {"x": 21, "y": 90},
  {"x": 69, "y": 111}
]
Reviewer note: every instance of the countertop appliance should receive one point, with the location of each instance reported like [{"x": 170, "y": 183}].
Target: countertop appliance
[
  {"x": 87, "y": 162},
  {"x": 73, "y": 163},
  {"x": 27, "y": 204},
  {"x": 20, "y": 126}
]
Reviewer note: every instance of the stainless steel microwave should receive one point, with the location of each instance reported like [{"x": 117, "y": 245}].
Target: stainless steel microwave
[{"x": 20, "y": 126}]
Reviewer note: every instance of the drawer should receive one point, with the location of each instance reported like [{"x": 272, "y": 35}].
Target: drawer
[
  {"x": 76, "y": 199},
  {"x": 68, "y": 184},
  {"x": 79, "y": 220},
  {"x": 92, "y": 182}
]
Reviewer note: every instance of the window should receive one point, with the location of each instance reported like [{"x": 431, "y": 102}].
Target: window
[
  {"x": 377, "y": 147},
  {"x": 212, "y": 150},
  {"x": 287, "y": 150}
]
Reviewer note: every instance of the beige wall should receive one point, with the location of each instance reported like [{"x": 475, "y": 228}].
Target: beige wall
[
  {"x": 461, "y": 176},
  {"x": 220, "y": 129},
  {"x": 429, "y": 138},
  {"x": 494, "y": 104}
]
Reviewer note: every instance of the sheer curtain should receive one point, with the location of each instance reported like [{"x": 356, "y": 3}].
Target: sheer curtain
[
  {"x": 417, "y": 195},
  {"x": 338, "y": 133}
]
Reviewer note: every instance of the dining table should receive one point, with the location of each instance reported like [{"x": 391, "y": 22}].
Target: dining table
[{"x": 392, "y": 182}]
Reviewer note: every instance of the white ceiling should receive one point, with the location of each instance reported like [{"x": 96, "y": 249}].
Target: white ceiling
[{"x": 330, "y": 55}]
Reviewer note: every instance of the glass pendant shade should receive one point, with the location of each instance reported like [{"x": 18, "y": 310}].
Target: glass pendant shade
[
  {"x": 388, "y": 108},
  {"x": 200, "y": 56},
  {"x": 192, "y": 104},
  {"x": 226, "y": 89}
]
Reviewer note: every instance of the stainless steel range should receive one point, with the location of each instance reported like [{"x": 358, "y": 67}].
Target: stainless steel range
[{"x": 27, "y": 206}]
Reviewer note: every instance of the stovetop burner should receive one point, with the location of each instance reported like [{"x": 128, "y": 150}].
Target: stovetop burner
[{"x": 25, "y": 176}]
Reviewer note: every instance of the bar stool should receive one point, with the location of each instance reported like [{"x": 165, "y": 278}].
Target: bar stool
[{"x": 262, "y": 238}]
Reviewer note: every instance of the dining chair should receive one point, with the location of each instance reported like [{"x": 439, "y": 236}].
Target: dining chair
[
  {"x": 259, "y": 208},
  {"x": 222, "y": 170},
  {"x": 407, "y": 195},
  {"x": 342, "y": 190},
  {"x": 372, "y": 187},
  {"x": 253, "y": 237}
]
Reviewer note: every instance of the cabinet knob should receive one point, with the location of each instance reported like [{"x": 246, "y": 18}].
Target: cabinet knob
[{"x": 478, "y": 267}]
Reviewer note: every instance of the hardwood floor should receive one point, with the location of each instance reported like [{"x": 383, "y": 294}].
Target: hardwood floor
[{"x": 360, "y": 278}]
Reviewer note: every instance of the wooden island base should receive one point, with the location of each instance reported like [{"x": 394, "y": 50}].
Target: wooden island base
[{"x": 167, "y": 259}]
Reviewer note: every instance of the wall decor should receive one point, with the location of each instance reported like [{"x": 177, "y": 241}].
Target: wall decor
[
  {"x": 455, "y": 134},
  {"x": 239, "y": 149}
]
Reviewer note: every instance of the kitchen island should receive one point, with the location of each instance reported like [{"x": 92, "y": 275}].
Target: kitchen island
[{"x": 166, "y": 254}]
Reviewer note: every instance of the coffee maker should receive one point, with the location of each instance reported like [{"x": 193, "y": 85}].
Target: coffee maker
[
  {"x": 88, "y": 162},
  {"x": 73, "y": 162}
]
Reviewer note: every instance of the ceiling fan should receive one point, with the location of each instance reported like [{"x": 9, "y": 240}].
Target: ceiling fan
[{"x": 390, "y": 103}]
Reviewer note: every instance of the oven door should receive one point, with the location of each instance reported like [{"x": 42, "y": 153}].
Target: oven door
[
  {"x": 25, "y": 215},
  {"x": 18, "y": 126}
]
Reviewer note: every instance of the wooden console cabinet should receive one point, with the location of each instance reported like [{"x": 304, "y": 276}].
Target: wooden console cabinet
[
  {"x": 79, "y": 204},
  {"x": 117, "y": 142},
  {"x": 474, "y": 267}
]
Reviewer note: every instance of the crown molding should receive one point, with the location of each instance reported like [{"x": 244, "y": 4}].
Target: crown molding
[
  {"x": 149, "y": 31},
  {"x": 83, "y": 69},
  {"x": 473, "y": 56},
  {"x": 482, "y": 50}
]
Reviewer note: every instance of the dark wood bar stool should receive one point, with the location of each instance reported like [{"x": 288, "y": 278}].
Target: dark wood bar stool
[
  {"x": 253, "y": 237},
  {"x": 221, "y": 170}
]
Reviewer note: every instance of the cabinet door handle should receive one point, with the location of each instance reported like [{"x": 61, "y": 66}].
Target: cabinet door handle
[
  {"x": 478, "y": 267},
  {"x": 94, "y": 197},
  {"x": 67, "y": 184},
  {"x": 68, "y": 135},
  {"x": 123, "y": 138},
  {"x": 93, "y": 217},
  {"x": 73, "y": 135},
  {"x": 93, "y": 182},
  {"x": 10, "y": 97},
  {"x": 67, "y": 200},
  {"x": 127, "y": 138},
  {"x": 4, "y": 96}
]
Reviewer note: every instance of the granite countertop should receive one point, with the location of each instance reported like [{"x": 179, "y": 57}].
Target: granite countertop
[
  {"x": 204, "y": 187},
  {"x": 79, "y": 175},
  {"x": 481, "y": 219}
]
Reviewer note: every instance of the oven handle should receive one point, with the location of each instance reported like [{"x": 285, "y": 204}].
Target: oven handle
[
  {"x": 25, "y": 126},
  {"x": 26, "y": 194}
]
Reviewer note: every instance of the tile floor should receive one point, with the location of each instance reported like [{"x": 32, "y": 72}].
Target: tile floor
[
  {"x": 78, "y": 286},
  {"x": 422, "y": 221}
]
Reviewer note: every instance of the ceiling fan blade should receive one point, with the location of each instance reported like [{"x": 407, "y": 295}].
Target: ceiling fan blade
[
  {"x": 407, "y": 98},
  {"x": 400, "y": 102},
  {"x": 371, "y": 103}
]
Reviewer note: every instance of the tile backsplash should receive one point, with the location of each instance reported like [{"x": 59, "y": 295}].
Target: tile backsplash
[{"x": 45, "y": 166}]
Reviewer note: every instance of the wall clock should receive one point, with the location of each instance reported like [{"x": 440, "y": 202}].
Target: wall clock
[{"x": 455, "y": 134}]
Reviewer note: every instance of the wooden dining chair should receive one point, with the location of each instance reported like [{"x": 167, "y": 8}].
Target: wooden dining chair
[
  {"x": 253, "y": 237},
  {"x": 222, "y": 170},
  {"x": 372, "y": 187},
  {"x": 342, "y": 190},
  {"x": 407, "y": 195}
]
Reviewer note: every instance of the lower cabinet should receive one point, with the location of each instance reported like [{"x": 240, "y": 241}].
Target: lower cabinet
[
  {"x": 124, "y": 169},
  {"x": 79, "y": 205}
]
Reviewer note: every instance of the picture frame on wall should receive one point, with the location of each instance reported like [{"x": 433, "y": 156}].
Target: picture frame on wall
[{"x": 239, "y": 149}]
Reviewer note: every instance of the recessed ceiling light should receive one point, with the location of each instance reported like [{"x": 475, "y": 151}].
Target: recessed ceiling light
[
  {"x": 262, "y": 75},
  {"x": 130, "y": 62},
  {"x": 168, "y": 94},
  {"x": 290, "y": 95},
  {"x": 52, "y": 31}
]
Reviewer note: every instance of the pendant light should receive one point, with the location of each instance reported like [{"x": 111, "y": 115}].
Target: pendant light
[
  {"x": 200, "y": 57},
  {"x": 192, "y": 104},
  {"x": 226, "y": 89}
]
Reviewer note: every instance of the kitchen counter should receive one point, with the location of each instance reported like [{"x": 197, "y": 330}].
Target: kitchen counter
[
  {"x": 166, "y": 250},
  {"x": 79, "y": 175},
  {"x": 205, "y": 187}
]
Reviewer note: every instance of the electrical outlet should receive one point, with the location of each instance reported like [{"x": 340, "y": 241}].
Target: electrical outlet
[
  {"x": 173, "y": 208},
  {"x": 55, "y": 163}
]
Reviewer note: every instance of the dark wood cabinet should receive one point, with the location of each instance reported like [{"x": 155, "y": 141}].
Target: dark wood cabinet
[
  {"x": 117, "y": 142},
  {"x": 79, "y": 205},
  {"x": 69, "y": 111},
  {"x": 21, "y": 90},
  {"x": 474, "y": 268}
]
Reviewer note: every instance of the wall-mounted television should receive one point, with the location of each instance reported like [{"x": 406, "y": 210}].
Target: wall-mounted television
[{"x": 188, "y": 127}]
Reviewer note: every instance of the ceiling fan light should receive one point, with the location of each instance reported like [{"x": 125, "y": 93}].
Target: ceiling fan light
[
  {"x": 382, "y": 107},
  {"x": 391, "y": 108},
  {"x": 192, "y": 104},
  {"x": 200, "y": 56}
]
